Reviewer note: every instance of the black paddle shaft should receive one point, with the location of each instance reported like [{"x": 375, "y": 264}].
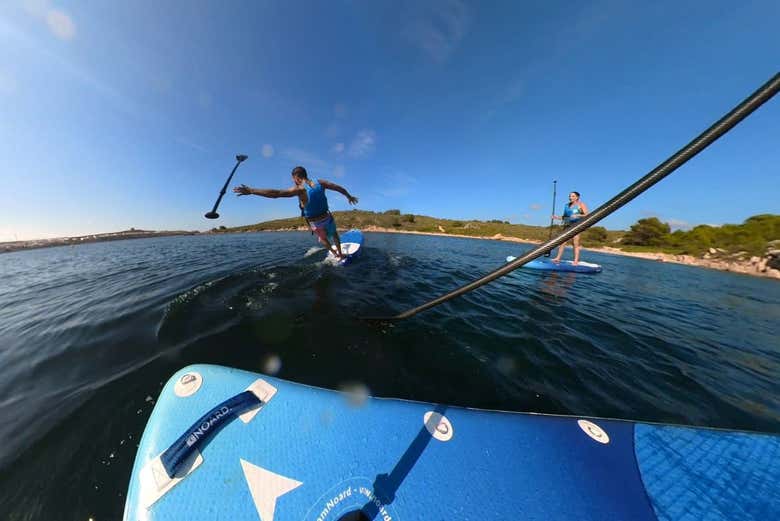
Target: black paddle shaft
[
  {"x": 675, "y": 161},
  {"x": 552, "y": 219},
  {"x": 240, "y": 158}
]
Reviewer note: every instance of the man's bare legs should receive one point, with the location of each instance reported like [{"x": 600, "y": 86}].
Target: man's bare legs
[
  {"x": 335, "y": 250},
  {"x": 337, "y": 240}
]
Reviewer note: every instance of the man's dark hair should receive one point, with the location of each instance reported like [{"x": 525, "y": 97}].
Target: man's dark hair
[{"x": 300, "y": 172}]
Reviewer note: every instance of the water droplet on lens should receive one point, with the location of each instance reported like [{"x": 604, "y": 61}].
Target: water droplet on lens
[
  {"x": 356, "y": 393},
  {"x": 506, "y": 365},
  {"x": 272, "y": 365}
]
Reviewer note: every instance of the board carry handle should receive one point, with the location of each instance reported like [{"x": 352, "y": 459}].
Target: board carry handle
[{"x": 200, "y": 432}]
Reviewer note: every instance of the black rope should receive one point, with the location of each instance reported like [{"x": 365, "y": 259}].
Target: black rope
[{"x": 726, "y": 123}]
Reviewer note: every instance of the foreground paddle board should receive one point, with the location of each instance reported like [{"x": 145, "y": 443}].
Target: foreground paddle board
[
  {"x": 229, "y": 444},
  {"x": 548, "y": 265},
  {"x": 351, "y": 247}
]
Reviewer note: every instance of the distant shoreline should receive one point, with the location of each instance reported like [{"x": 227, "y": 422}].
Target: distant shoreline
[
  {"x": 754, "y": 266},
  {"x": 748, "y": 267},
  {"x": 8, "y": 247}
]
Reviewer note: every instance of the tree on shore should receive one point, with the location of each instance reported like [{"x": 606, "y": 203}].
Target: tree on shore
[
  {"x": 595, "y": 235},
  {"x": 752, "y": 237},
  {"x": 647, "y": 232}
]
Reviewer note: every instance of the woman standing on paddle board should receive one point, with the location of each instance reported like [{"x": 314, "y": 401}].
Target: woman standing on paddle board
[
  {"x": 572, "y": 213},
  {"x": 313, "y": 204}
]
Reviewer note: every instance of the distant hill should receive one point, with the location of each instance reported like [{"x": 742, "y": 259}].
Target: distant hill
[
  {"x": 755, "y": 236},
  {"x": 132, "y": 233},
  {"x": 395, "y": 220}
]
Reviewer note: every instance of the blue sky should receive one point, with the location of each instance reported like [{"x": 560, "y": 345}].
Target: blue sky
[{"x": 129, "y": 114}]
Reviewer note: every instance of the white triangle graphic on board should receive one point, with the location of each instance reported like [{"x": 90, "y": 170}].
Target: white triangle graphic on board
[{"x": 266, "y": 487}]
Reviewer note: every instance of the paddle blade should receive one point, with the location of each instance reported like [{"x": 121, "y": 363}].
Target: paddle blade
[
  {"x": 212, "y": 215},
  {"x": 241, "y": 157}
]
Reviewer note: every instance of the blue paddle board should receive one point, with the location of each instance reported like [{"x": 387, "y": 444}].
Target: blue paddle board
[
  {"x": 351, "y": 247},
  {"x": 228, "y": 444},
  {"x": 548, "y": 265}
]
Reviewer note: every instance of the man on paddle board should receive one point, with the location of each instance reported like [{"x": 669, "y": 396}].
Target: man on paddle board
[
  {"x": 573, "y": 211},
  {"x": 312, "y": 202}
]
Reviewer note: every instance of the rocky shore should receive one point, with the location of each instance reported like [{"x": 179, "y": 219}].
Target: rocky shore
[{"x": 767, "y": 265}]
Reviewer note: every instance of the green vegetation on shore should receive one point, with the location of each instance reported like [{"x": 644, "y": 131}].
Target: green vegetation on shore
[
  {"x": 395, "y": 220},
  {"x": 757, "y": 236},
  {"x": 753, "y": 237}
]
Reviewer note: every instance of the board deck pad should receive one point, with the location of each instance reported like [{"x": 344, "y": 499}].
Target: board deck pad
[
  {"x": 351, "y": 247},
  {"x": 564, "y": 265},
  {"x": 317, "y": 455}
]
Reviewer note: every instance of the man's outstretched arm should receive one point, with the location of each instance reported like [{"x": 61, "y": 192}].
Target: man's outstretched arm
[
  {"x": 339, "y": 189},
  {"x": 267, "y": 192}
]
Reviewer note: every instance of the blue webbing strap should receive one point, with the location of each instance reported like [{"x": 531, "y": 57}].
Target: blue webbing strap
[{"x": 200, "y": 432}]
